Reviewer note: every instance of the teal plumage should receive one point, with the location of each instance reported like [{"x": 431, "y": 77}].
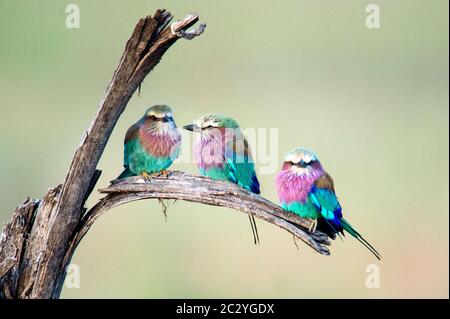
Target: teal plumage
[
  {"x": 236, "y": 169},
  {"x": 152, "y": 143}
]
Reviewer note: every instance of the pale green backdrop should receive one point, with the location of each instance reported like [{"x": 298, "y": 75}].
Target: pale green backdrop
[{"x": 373, "y": 103}]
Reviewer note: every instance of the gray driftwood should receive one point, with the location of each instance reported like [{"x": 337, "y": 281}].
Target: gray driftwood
[{"x": 39, "y": 241}]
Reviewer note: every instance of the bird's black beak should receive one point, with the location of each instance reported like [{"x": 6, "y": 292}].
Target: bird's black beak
[
  {"x": 192, "y": 128},
  {"x": 302, "y": 164}
]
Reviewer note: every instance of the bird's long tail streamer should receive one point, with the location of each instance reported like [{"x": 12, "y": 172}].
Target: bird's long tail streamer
[
  {"x": 254, "y": 229},
  {"x": 347, "y": 227}
]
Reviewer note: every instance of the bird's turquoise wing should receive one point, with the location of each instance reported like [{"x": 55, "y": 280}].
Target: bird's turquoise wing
[
  {"x": 324, "y": 199},
  {"x": 130, "y": 143},
  {"x": 242, "y": 172},
  {"x": 237, "y": 165},
  {"x": 326, "y": 203},
  {"x": 240, "y": 166}
]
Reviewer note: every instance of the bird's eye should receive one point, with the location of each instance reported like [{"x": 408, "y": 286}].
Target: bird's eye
[{"x": 308, "y": 163}]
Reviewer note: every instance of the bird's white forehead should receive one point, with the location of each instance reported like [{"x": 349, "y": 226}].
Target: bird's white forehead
[
  {"x": 301, "y": 154},
  {"x": 207, "y": 121},
  {"x": 159, "y": 113}
]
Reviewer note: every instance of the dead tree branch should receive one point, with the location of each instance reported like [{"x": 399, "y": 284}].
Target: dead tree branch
[{"x": 199, "y": 189}]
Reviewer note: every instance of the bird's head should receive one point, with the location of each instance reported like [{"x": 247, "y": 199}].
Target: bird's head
[
  {"x": 159, "y": 118},
  {"x": 212, "y": 122},
  {"x": 301, "y": 161}
]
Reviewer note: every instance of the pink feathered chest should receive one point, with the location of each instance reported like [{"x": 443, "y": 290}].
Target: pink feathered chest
[
  {"x": 292, "y": 187},
  {"x": 160, "y": 145}
]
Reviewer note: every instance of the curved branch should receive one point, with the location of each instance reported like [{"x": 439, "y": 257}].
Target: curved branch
[{"x": 180, "y": 185}]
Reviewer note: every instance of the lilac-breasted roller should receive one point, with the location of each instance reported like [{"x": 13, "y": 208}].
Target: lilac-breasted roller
[
  {"x": 223, "y": 153},
  {"x": 307, "y": 190},
  {"x": 152, "y": 143}
]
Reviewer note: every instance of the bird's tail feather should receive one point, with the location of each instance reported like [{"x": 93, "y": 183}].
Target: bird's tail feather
[
  {"x": 126, "y": 173},
  {"x": 333, "y": 229},
  {"x": 347, "y": 227},
  {"x": 254, "y": 229}
]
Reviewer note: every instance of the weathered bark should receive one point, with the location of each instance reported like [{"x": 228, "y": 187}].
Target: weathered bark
[
  {"x": 39, "y": 241},
  {"x": 200, "y": 189},
  {"x": 12, "y": 243}
]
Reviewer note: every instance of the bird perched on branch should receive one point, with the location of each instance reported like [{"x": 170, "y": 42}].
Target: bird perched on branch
[
  {"x": 223, "y": 153},
  {"x": 152, "y": 143},
  {"x": 306, "y": 189}
]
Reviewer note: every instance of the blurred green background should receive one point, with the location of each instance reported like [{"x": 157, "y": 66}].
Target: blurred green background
[{"x": 373, "y": 103}]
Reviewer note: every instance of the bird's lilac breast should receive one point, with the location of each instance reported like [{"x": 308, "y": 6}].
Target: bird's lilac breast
[
  {"x": 160, "y": 145},
  {"x": 209, "y": 153},
  {"x": 292, "y": 187}
]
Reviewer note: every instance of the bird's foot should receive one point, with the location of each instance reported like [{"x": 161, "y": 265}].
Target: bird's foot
[
  {"x": 164, "y": 173},
  {"x": 146, "y": 176}
]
